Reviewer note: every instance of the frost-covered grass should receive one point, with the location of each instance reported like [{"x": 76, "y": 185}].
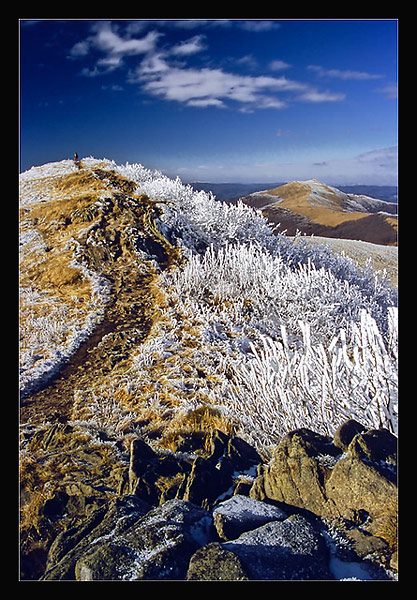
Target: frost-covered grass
[
  {"x": 51, "y": 330},
  {"x": 319, "y": 385},
  {"x": 309, "y": 336},
  {"x": 54, "y": 318},
  {"x": 200, "y": 221},
  {"x": 302, "y": 344},
  {"x": 273, "y": 331}
]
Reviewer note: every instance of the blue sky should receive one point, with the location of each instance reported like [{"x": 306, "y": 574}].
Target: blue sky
[{"x": 214, "y": 100}]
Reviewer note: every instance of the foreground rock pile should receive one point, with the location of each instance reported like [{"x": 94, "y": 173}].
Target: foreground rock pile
[{"x": 321, "y": 509}]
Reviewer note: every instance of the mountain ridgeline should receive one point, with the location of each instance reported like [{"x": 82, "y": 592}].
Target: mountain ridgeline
[
  {"x": 202, "y": 396},
  {"x": 314, "y": 208},
  {"x": 231, "y": 192}
]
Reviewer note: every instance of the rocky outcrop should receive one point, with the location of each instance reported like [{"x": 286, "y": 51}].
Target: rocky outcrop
[
  {"x": 133, "y": 546},
  {"x": 322, "y": 508},
  {"x": 310, "y": 472},
  {"x": 240, "y": 514}
]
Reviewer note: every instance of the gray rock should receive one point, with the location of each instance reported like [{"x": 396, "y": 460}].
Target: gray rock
[
  {"x": 158, "y": 546},
  {"x": 103, "y": 523},
  {"x": 281, "y": 550},
  {"x": 240, "y": 513},
  {"x": 215, "y": 563}
]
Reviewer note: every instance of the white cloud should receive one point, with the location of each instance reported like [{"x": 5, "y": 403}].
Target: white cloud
[
  {"x": 385, "y": 158},
  {"x": 313, "y": 95},
  {"x": 258, "y": 26},
  {"x": 389, "y": 91},
  {"x": 247, "y": 61},
  {"x": 80, "y": 48},
  {"x": 278, "y": 65},
  {"x": 343, "y": 74},
  {"x": 106, "y": 39},
  {"x": 160, "y": 73},
  {"x": 203, "y": 103},
  {"x": 211, "y": 87},
  {"x": 191, "y": 46},
  {"x": 109, "y": 41}
]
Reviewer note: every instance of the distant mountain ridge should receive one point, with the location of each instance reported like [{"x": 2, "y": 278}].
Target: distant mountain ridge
[
  {"x": 233, "y": 191},
  {"x": 314, "y": 208}
]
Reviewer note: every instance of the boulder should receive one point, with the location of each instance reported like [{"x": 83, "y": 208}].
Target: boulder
[
  {"x": 345, "y": 433},
  {"x": 141, "y": 457},
  {"x": 301, "y": 463},
  {"x": 358, "y": 485},
  {"x": 107, "y": 520},
  {"x": 240, "y": 513},
  {"x": 282, "y": 550},
  {"x": 214, "y": 563},
  {"x": 376, "y": 445},
  {"x": 158, "y": 546},
  {"x": 212, "y": 475},
  {"x": 309, "y": 472},
  {"x": 207, "y": 482},
  {"x": 157, "y": 478},
  {"x": 364, "y": 543},
  {"x": 128, "y": 541},
  {"x": 171, "y": 525}
]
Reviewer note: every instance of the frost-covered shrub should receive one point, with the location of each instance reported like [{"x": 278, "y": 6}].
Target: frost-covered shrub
[
  {"x": 303, "y": 346},
  {"x": 288, "y": 334},
  {"x": 278, "y": 293},
  {"x": 199, "y": 220},
  {"x": 317, "y": 385},
  {"x": 323, "y": 330}
]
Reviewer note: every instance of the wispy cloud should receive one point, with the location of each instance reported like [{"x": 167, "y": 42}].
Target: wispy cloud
[
  {"x": 106, "y": 40},
  {"x": 377, "y": 166},
  {"x": 164, "y": 71},
  {"x": 312, "y": 95},
  {"x": 258, "y": 26},
  {"x": 212, "y": 87},
  {"x": 191, "y": 46},
  {"x": 343, "y": 74},
  {"x": 389, "y": 91},
  {"x": 278, "y": 65},
  {"x": 252, "y": 25}
]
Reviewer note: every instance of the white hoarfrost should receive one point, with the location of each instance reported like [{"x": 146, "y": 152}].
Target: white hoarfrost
[
  {"x": 51, "y": 330},
  {"x": 296, "y": 335}
]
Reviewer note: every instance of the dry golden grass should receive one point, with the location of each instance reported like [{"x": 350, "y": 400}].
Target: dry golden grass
[
  {"x": 59, "y": 277},
  {"x": 158, "y": 401},
  {"x": 56, "y": 223},
  {"x": 324, "y": 216},
  {"x": 52, "y": 457},
  {"x": 197, "y": 423},
  {"x": 291, "y": 191},
  {"x": 393, "y": 221},
  {"x": 296, "y": 199}
]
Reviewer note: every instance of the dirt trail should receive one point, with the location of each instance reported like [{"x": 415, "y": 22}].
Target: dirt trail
[
  {"x": 126, "y": 225},
  {"x": 99, "y": 354}
]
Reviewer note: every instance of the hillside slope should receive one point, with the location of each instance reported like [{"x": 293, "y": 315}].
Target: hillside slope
[
  {"x": 101, "y": 249},
  {"x": 315, "y": 208},
  {"x": 157, "y": 324}
]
